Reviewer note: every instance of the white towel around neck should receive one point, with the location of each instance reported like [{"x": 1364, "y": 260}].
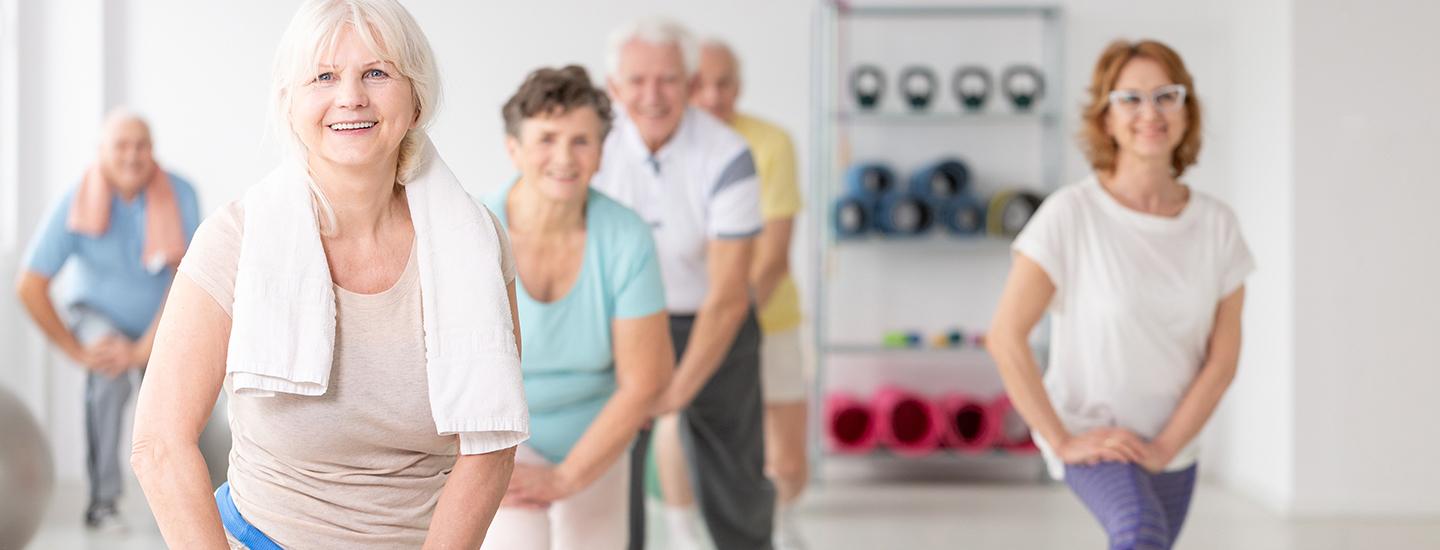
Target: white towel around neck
[{"x": 282, "y": 337}]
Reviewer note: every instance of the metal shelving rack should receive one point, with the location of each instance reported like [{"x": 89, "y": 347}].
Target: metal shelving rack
[{"x": 835, "y": 118}]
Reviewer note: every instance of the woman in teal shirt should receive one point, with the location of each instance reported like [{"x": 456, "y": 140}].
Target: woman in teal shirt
[{"x": 592, "y": 318}]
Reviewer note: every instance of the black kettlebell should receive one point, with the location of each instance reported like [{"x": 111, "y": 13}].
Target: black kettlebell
[
  {"x": 1024, "y": 97},
  {"x": 917, "y": 84},
  {"x": 972, "y": 99},
  {"x": 867, "y": 82}
]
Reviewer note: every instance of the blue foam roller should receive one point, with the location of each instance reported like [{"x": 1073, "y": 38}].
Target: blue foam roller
[
  {"x": 852, "y": 216},
  {"x": 963, "y": 215},
  {"x": 941, "y": 180},
  {"x": 903, "y": 214},
  {"x": 869, "y": 180}
]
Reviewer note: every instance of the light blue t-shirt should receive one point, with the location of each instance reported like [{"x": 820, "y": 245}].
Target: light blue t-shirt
[
  {"x": 568, "y": 361},
  {"x": 109, "y": 277}
]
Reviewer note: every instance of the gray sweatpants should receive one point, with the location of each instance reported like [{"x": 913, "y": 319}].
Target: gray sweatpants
[
  {"x": 105, "y": 400},
  {"x": 722, "y": 432}
]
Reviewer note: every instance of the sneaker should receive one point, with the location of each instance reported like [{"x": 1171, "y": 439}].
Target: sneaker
[
  {"x": 786, "y": 539},
  {"x": 787, "y": 531},
  {"x": 684, "y": 528},
  {"x": 106, "y": 520}
]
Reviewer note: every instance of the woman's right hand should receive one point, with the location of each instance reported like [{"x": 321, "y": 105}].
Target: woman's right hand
[{"x": 1102, "y": 445}]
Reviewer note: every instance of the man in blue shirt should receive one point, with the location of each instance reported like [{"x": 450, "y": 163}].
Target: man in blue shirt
[{"x": 125, "y": 227}]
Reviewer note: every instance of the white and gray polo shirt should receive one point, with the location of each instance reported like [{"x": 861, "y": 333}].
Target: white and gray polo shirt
[{"x": 701, "y": 185}]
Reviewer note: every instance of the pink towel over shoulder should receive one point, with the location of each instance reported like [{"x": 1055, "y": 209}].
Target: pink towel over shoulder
[{"x": 164, "y": 240}]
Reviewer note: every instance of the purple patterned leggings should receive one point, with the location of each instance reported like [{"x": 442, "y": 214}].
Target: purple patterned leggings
[{"x": 1138, "y": 509}]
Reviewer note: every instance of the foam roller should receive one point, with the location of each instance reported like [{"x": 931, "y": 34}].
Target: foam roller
[
  {"x": 1009, "y": 211},
  {"x": 869, "y": 180},
  {"x": 903, "y": 214},
  {"x": 941, "y": 180},
  {"x": 852, "y": 216},
  {"x": 969, "y": 424},
  {"x": 962, "y": 215},
  {"x": 909, "y": 424},
  {"x": 850, "y": 424},
  {"x": 1014, "y": 433}
]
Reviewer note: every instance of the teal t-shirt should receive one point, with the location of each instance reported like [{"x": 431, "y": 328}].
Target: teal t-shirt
[{"x": 568, "y": 361}]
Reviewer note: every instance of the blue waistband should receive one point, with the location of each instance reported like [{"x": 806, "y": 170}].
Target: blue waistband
[{"x": 236, "y": 525}]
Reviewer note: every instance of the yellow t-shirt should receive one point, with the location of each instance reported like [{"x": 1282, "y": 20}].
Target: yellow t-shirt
[{"x": 774, "y": 157}]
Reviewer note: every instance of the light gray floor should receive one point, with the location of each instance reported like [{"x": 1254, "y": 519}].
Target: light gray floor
[{"x": 925, "y": 516}]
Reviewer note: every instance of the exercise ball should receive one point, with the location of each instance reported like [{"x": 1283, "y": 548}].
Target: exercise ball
[{"x": 27, "y": 473}]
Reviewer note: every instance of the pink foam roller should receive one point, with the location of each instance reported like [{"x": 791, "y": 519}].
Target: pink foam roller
[
  {"x": 969, "y": 424},
  {"x": 910, "y": 425},
  {"x": 849, "y": 424},
  {"x": 1014, "y": 434}
]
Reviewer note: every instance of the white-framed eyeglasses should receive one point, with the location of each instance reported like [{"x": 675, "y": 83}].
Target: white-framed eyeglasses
[{"x": 1165, "y": 99}]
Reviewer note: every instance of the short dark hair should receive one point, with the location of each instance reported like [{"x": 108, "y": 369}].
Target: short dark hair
[{"x": 549, "y": 91}]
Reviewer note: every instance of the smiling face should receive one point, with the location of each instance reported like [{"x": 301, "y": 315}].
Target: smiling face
[
  {"x": 652, "y": 86},
  {"x": 717, "y": 83},
  {"x": 1148, "y": 133},
  {"x": 556, "y": 154},
  {"x": 125, "y": 155},
  {"x": 355, "y": 111}
]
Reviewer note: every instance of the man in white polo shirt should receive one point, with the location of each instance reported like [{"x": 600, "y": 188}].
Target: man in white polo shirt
[{"x": 693, "y": 180}]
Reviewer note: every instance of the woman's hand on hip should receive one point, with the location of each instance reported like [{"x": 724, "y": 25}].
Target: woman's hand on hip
[
  {"x": 1104, "y": 445},
  {"x": 1157, "y": 457}
]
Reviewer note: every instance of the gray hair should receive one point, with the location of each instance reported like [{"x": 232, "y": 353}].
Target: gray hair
[
  {"x": 392, "y": 34},
  {"x": 118, "y": 115},
  {"x": 658, "y": 31},
  {"x": 720, "y": 44}
]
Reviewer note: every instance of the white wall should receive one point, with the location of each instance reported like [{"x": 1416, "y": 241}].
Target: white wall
[
  {"x": 1367, "y": 257},
  {"x": 9, "y": 183},
  {"x": 62, "y": 99},
  {"x": 9, "y": 127},
  {"x": 1252, "y": 443}
]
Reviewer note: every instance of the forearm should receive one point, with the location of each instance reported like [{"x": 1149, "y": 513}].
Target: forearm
[
  {"x": 1196, "y": 406},
  {"x": 767, "y": 276},
  {"x": 34, "y": 294},
  {"x": 1200, "y": 399},
  {"x": 609, "y": 436},
  {"x": 716, "y": 324},
  {"x": 469, "y": 500},
  {"x": 772, "y": 258},
  {"x": 176, "y": 484},
  {"x": 178, "y": 396},
  {"x": 1021, "y": 376}
]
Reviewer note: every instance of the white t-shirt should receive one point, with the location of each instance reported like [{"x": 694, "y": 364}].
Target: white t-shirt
[
  {"x": 700, "y": 185},
  {"x": 1135, "y": 299}
]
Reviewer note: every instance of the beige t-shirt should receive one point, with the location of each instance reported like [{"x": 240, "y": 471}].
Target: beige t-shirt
[{"x": 360, "y": 466}]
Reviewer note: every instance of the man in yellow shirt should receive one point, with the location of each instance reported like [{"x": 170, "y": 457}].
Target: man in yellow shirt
[{"x": 716, "y": 87}]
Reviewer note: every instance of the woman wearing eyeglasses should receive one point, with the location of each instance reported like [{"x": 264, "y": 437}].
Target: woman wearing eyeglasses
[{"x": 1144, "y": 279}]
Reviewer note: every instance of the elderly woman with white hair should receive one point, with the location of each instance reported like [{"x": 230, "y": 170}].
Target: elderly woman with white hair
[{"x": 358, "y": 308}]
